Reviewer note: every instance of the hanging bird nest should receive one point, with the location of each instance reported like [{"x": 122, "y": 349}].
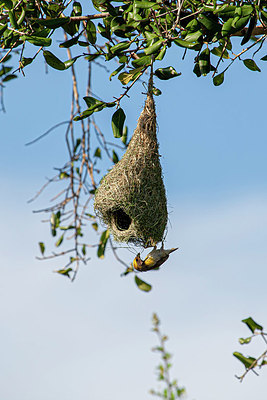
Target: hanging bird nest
[{"x": 131, "y": 198}]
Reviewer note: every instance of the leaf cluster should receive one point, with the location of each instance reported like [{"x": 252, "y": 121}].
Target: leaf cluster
[{"x": 134, "y": 32}]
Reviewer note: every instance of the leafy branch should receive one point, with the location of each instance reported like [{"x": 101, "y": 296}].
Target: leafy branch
[
  {"x": 251, "y": 363},
  {"x": 171, "y": 390}
]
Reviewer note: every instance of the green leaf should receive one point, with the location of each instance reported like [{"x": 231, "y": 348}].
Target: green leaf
[
  {"x": 247, "y": 361},
  {"x": 102, "y": 244},
  {"x": 252, "y": 23},
  {"x": 144, "y": 286},
  {"x": 161, "y": 54},
  {"x": 117, "y": 122},
  {"x": 126, "y": 77},
  {"x": 124, "y": 45},
  {"x": 53, "y": 61},
  {"x": 92, "y": 102},
  {"x": 95, "y": 226},
  {"x": 116, "y": 71},
  {"x": 69, "y": 43},
  {"x": 209, "y": 23},
  {"x": 2, "y": 28},
  {"x": 87, "y": 113},
  {"x": 63, "y": 175},
  {"x": 264, "y": 16},
  {"x": 9, "y": 77},
  {"x": 5, "y": 70},
  {"x": 150, "y": 36},
  {"x": 60, "y": 240},
  {"x": 92, "y": 57},
  {"x": 204, "y": 62},
  {"x": 91, "y": 32},
  {"x": 252, "y": 325},
  {"x": 77, "y": 8},
  {"x": 225, "y": 11},
  {"x": 70, "y": 62},
  {"x": 66, "y": 228},
  {"x": 26, "y": 61},
  {"x": 145, "y": 4},
  {"x": 42, "y": 247},
  {"x": 37, "y": 40},
  {"x": 250, "y": 64},
  {"x": 82, "y": 43},
  {"x": 142, "y": 61},
  {"x": 234, "y": 24},
  {"x": 246, "y": 10},
  {"x": 166, "y": 73},
  {"x": 84, "y": 249},
  {"x": 77, "y": 144},
  {"x": 264, "y": 58},
  {"x": 12, "y": 20},
  {"x": 97, "y": 152},
  {"x": 153, "y": 48},
  {"x": 193, "y": 36},
  {"x": 55, "y": 221},
  {"x": 65, "y": 272},
  {"x": 220, "y": 52},
  {"x": 115, "y": 157},
  {"x": 52, "y": 22},
  {"x": 245, "y": 340},
  {"x": 188, "y": 45},
  {"x": 227, "y": 27},
  {"x": 218, "y": 79},
  {"x": 99, "y": 5},
  {"x": 240, "y": 23}
]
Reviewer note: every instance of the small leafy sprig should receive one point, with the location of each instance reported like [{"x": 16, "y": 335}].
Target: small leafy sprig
[
  {"x": 170, "y": 389},
  {"x": 252, "y": 363}
]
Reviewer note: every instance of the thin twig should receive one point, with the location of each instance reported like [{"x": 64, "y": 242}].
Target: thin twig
[
  {"x": 220, "y": 59},
  {"x": 116, "y": 255},
  {"x": 47, "y": 132}
]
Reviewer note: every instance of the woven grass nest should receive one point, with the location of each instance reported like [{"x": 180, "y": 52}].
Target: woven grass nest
[{"x": 131, "y": 198}]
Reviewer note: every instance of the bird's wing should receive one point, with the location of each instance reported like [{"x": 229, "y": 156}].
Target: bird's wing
[{"x": 149, "y": 261}]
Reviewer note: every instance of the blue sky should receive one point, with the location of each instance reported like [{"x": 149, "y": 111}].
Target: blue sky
[{"x": 91, "y": 339}]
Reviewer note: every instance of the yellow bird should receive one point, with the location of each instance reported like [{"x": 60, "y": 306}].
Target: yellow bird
[{"x": 153, "y": 260}]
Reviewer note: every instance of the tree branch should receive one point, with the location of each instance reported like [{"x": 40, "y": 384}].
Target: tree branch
[
  {"x": 258, "y": 30},
  {"x": 88, "y": 17}
]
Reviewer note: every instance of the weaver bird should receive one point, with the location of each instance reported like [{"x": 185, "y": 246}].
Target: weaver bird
[{"x": 153, "y": 260}]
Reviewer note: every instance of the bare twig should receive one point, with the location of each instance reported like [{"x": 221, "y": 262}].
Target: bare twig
[
  {"x": 116, "y": 255},
  {"x": 46, "y": 133}
]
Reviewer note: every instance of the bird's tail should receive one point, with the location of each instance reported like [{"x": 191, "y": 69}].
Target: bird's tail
[{"x": 171, "y": 250}]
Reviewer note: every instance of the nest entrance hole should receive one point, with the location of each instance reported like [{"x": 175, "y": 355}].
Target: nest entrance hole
[{"x": 122, "y": 220}]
